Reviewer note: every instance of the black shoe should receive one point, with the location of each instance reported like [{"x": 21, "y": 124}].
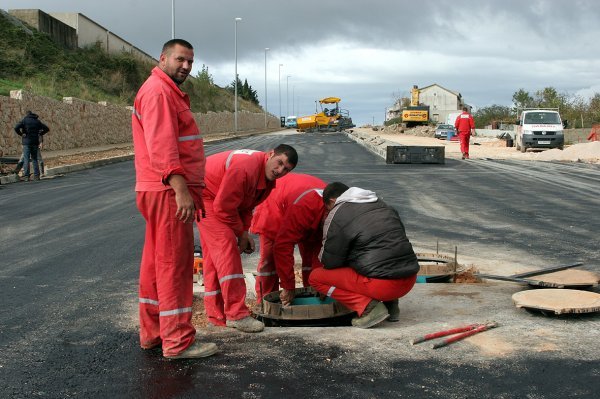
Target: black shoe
[{"x": 393, "y": 310}]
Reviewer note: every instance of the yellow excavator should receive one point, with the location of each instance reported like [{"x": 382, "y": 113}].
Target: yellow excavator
[
  {"x": 331, "y": 118},
  {"x": 415, "y": 114}
]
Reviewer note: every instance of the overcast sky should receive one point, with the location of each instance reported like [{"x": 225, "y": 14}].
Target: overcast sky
[{"x": 368, "y": 52}]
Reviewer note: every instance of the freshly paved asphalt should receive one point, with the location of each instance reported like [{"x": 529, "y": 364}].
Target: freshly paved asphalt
[{"x": 68, "y": 284}]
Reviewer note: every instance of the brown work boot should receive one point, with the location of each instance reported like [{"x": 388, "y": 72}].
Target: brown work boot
[
  {"x": 374, "y": 313},
  {"x": 248, "y": 324},
  {"x": 393, "y": 309},
  {"x": 196, "y": 351}
]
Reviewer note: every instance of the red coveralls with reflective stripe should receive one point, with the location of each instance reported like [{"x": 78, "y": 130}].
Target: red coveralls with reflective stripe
[
  {"x": 166, "y": 141},
  {"x": 235, "y": 184},
  {"x": 463, "y": 124},
  {"x": 291, "y": 215}
]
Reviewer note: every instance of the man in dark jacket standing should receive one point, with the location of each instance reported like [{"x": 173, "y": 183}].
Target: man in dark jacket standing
[
  {"x": 31, "y": 129},
  {"x": 368, "y": 261}
]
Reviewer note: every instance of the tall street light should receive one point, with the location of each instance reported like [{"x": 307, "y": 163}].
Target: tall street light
[
  {"x": 172, "y": 19},
  {"x": 293, "y": 102},
  {"x": 280, "y": 65},
  {"x": 287, "y": 95},
  {"x": 266, "y": 49},
  {"x": 235, "y": 102}
]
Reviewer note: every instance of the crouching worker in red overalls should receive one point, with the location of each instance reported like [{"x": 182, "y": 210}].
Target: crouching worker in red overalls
[
  {"x": 169, "y": 171},
  {"x": 368, "y": 261},
  {"x": 291, "y": 216},
  {"x": 236, "y": 182}
]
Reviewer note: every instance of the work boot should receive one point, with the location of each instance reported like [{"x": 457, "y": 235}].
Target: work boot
[
  {"x": 375, "y": 313},
  {"x": 36, "y": 177},
  {"x": 248, "y": 324},
  {"x": 393, "y": 309},
  {"x": 196, "y": 350}
]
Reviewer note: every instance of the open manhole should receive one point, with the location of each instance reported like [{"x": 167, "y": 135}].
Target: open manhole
[
  {"x": 438, "y": 268},
  {"x": 307, "y": 310}
]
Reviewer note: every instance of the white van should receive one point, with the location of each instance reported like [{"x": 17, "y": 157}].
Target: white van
[
  {"x": 539, "y": 128},
  {"x": 290, "y": 122}
]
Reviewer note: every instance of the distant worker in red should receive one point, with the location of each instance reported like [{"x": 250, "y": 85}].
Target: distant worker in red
[
  {"x": 169, "y": 169},
  {"x": 368, "y": 262},
  {"x": 465, "y": 127},
  {"x": 236, "y": 182},
  {"x": 290, "y": 216}
]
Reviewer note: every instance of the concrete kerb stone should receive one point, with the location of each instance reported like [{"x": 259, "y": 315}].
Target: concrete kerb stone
[{"x": 375, "y": 144}]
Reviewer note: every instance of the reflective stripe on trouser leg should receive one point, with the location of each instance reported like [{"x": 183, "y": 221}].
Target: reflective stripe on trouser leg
[
  {"x": 266, "y": 276},
  {"x": 166, "y": 274},
  {"x": 220, "y": 244}
]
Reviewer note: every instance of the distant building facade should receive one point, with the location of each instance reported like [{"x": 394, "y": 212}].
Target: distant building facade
[{"x": 440, "y": 100}]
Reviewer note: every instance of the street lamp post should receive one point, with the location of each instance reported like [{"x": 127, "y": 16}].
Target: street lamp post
[
  {"x": 266, "y": 49},
  {"x": 235, "y": 101},
  {"x": 293, "y": 97},
  {"x": 172, "y": 19},
  {"x": 280, "y": 65},
  {"x": 287, "y": 95}
]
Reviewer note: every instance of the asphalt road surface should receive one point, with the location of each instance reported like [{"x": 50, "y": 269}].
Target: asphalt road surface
[{"x": 68, "y": 285}]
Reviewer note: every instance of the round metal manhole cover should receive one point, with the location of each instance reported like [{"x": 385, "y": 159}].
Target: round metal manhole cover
[
  {"x": 307, "y": 310},
  {"x": 558, "y": 301}
]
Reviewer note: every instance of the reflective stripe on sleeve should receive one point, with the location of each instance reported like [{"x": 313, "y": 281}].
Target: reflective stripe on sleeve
[
  {"x": 306, "y": 269},
  {"x": 149, "y": 301},
  {"x": 235, "y": 152},
  {"x": 331, "y": 289},
  {"x": 190, "y": 138},
  {"x": 175, "y": 311},
  {"x": 231, "y": 277},
  {"x": 318, "y": 191},
  {"x": 137, "y": 114}
]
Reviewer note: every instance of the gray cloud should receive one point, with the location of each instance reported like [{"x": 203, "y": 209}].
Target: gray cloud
[{"x": 366, "y": 51}]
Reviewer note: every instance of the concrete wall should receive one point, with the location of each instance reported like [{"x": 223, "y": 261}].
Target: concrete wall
[
  {"x": 76, "y": 123},
  {"x": 572, "y": 136},
  {"x": 89, "y": 33},
  {"x": 60, "y": 32}
]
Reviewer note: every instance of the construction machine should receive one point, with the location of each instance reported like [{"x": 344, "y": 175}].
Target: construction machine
[
  {"x": 415, "y": 114},
  {"x": 331, "y": 118}
]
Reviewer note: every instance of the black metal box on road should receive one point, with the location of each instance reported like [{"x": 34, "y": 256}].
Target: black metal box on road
[{"x": 414, "y": 154}]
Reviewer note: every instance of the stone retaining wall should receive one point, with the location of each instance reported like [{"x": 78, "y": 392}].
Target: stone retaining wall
[{"x": 76, "y": 123}]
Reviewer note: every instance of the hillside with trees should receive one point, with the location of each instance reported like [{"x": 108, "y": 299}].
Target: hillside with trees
[
  {"x": 578, "y": 111},
  {"x": 31, "y": 61}
]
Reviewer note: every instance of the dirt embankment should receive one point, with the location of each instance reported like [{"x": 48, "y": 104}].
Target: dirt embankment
[{"x": 486, "y": 147}]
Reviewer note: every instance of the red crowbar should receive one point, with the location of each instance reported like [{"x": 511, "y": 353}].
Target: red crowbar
[{"x": 465, "y": 331}]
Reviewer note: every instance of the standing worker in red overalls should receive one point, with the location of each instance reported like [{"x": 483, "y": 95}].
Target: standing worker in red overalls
[
  {"x": 291, "y": 216},
  {"x": 169, "y": 169},
  {"x": 236, "y": 182},
  {"x": 465, "y": 127}
]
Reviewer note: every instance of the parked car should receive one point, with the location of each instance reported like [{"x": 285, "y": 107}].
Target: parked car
[{"x": 441, "y": 131}]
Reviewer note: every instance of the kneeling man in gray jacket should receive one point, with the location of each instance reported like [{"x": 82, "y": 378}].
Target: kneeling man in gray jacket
[{"x": 368, "y": 261}]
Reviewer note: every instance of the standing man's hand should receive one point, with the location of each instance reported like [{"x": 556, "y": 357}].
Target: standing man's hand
[
  {"x": 183, "y": 198},
  {"x": 286, "y": 296},
  {"x": 246, "y": 243}
]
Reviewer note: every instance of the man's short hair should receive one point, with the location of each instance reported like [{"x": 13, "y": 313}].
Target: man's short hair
[
  {"x": 334, "y": 190},
  {"x": 171, "y": 43},
  {"x": 289, "y": 151},
  {"x": 465, "y": 109}
]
